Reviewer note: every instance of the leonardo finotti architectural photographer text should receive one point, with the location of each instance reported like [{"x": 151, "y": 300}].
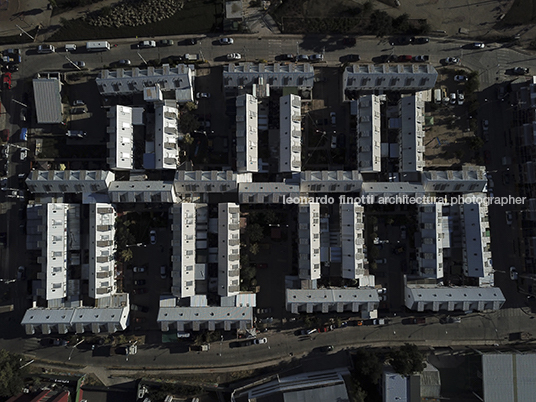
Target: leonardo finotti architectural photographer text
[{"x": 408, "y": 200}]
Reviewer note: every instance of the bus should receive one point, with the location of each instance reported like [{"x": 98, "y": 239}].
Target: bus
[{"x": 97, "y": 46}]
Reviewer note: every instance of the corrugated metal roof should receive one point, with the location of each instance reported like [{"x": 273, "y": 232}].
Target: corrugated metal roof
[
  {"x": 48, "y": 100},
  {"x": 509, "y": 377}
]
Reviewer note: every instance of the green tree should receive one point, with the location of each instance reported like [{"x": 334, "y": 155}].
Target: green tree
[
  {"x": 254, "y": 248},
  {"x": 188, "y": 139},
  {"x": 374, "y": 252},
  {"x": 255, "y": 233},
  {"x": 407, "y": 360},
  {"x": 11, "y": 376},
  {"x": 126, "y": 254},
  {"x": 368, "y": 364},
  {"x": 190, "y": 106},
  {"x": 188, "y": 123},
  {"x": 476, "y": 143}
]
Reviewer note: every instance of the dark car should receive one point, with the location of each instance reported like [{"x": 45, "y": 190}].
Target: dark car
[
  {"x": 191, "y": 41},
  {"x": 349, "y": 41},
  {"x": 520, "y": 70},
  {"x": 139, "y": 291},
  {"x": 419, "y": 41},
  {"x": 287, "y": 57},
  {"x": 405, "y": 57},
  {"x": 388, "y": 58},
  {"x": 140, "y": 282},
  {"x": 302, "y": 57},
  {"x": 351, "y": 57},
  {"x": 402, "y": 41},
  {"x": 166, "y": 42},
  {"x": 240, "y": 344}
]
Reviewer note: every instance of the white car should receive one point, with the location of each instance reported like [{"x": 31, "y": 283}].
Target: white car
[
  {"x": 260, "y": 341},
  {"x": 147, "y": 44},
  {"x": 333, "y": 141},
  {"x": 452, "y": 60},
  {"x": 513, "y": 273},
  {"x": 226, "y": 41},
  {"x": 509, "y": 217},
  {"x": 478, "y": 45},
  {"x": 234, "y": 56},
  {"x": 452, "y": 98},
  {"x": 460, "y": 78},
  {"x": 23, "y": 154},
  {"x": 45, "y": 49},
  {"x": 202, "y": 95},
  {"x": 461, "y": 97},
  {"x": 152, "y": 236}
]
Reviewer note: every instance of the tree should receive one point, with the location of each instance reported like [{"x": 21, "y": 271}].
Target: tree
[
  {"x": 407, "y": 360},
  {"x": 188, "y": 123},
  {"x": 126, "y": 254},
  {"x": 190, "y": 106},
  {"x": 254, "y": 248},
  {"x": 255, "y": 233},
  {"x": 368, "y": 364},
  {"x": 11, "y": 376}
]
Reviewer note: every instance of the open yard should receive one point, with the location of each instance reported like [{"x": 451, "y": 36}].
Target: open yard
[{"x": 199, "y": 16}]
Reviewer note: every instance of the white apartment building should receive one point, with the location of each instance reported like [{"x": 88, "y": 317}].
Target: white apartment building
[
  {"x": 101, "y": 250},
  {"x": 120, "y": 145},
  {"x": 468, "y": 180},
  {"x": 184, "y": 248},
  {"x": 380, "y": 78},
  {"x": 54, "y": 260},
  {"x": 290, "y": 133},
  {"x": 430, "y": 251},
  {"x": 197, "y": 185},
  {"x": 437, "y": 298},
  {"x": 274, "y": 75},
  {"x": 266, "y": 193},
  {"x": 368, "y": 133},
  {"x": 309, "y": 241},
  {"x": 330, "y": 181},
  {"x": 178, "y": 80},
  {"x": 247, "y": 134},
  {"x": 142, "y": 191},
  {"x": 331, "y": 300},
  {"x": 411, "y": 133},
  {"x": 69, "y": 181},
  {"x": 228, "y": 249},
  {"x": 477, "y": 262},
  {"x": 352, "y": 241},
  {"x": 166, "y": 147}
]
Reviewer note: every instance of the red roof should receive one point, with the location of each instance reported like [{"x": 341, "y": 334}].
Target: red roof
[
  {"x": 63, "y": 397},
  {"x": 33, "y": 397}
]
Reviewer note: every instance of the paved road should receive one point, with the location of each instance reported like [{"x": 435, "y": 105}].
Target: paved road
[{"x": 474, "y": 330}]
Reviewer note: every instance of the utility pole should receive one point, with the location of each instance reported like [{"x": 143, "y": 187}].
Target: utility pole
[{"x": 23, "y": 31}]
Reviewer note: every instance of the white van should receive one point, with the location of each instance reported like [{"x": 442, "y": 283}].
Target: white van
[
  {"x": 70, "y": 47},
  {"x": 437, "y": 95}
]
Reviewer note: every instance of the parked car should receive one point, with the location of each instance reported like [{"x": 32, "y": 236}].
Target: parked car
[
  {"x": 46, "y": 49},
  {"x": 226, "y": 41},
  {"x": 191, "y": 41},
  {"x": 308, "y": 331},
  {"x": 138, "y": 269},
  {"x": 485, "y": 125},
  {"x": 124, "y": 62},
  {"x": 166, "y": 42},
  {"x": 76, "y": 133},
  {"x": 460, "y": 78},
  {"x": 163, "y": 272},
  {"x": 302, "y": 57},
  {"x": 79, "y": 63},
  {"x": 316, "y": 57},
  {"x": 260, "y": 341},
  {"x": 419, "y": 41},
  {"x": 145, "y": 44},
  {"x": 352, "y": 57},
  {"x": 334, "y": 141},
  {"x": 381, "y": 261},
  {"x": 333, "y": 117},
  {"x": 234, "y": 56},
  {"x": 478, "y": 45},
  {"x": 152, "y": 236},
  {"x": 403, "y": 232},
  {"x": 22, "y": 115},
  {"x": 202, "y": 95},
  {"x": 326, "y": 349},
  {"x": 513, "y": 273},
  {"x": 264, "y": 310},
  {"x": 421, "y": 58},
  {"x": 6, "y": 80},
  {"x": 452, "y": 60},
  {"x": 137, "y": 307},
  {"x": 452, "y": 98},
  {"x": 140, "y": 282},
  {"x": 509, "y": 217},
  {"x": 520, "y": 70},
  {"x": 287, "y": 57},
  {"x": 78, "y": 102},
  {"x": 23, "y": 154},
  {"x": 139, "y": 291},
  {"x": 461, "y": 97},
  {"x": 405, "y": 57}
]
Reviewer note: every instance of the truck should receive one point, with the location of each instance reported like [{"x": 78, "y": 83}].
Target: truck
[{"x": 97, "y": 46}]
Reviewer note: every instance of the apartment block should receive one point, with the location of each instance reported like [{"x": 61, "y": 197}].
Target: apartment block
[
  {"x": 367, "y": 112},
  {"x": 184, "y": 250},
  {"x": 411, "y": 133},
  {"x": 430, "y": 251},
  {"x": 101, "y": 250},
  {"x": 309, "y": 241},
  {"x": 120, "y": 144},
  {"x": 247, "y": 136},
  {"x": 166, "y": 147},
  {"x": 228, "y": 249},
  {"x": 290, "y": 133},
  {"x": 352, "y": 241}
]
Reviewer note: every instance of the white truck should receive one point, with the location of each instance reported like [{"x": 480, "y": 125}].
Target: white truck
[
  {"x": 191, "y": 57},
  {"x": 97, "y": 46}
]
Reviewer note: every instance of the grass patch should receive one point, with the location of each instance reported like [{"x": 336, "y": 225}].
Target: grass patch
[
  {"x": 197, "y": 16},
  {"x": 521, "y": 12},
  {"x": 16, "y": 39},
  {"x": 61, "y": 6}
]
